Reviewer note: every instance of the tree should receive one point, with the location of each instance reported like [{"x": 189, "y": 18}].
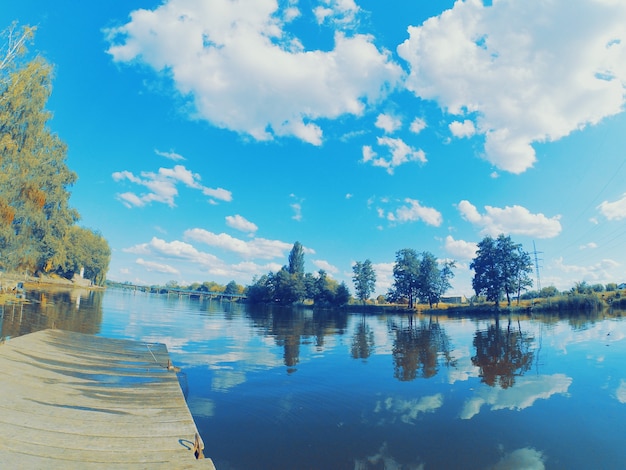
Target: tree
[
  {"x": 501, "y": 268},
  {"x": 88, "y": 251},
  {"x": 433, "y": 281},
  {"x": 406, "y": 276},
  {"x": 342, "y": 295},
  {"x": 231, "y": 288},
  {"x": 296, "y": 260},
  {"x": 364, "y": 279},
  {"x": 34, "y": 179}
]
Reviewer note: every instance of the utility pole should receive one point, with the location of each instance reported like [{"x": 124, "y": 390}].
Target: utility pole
[{"x": 535, "y": 253}]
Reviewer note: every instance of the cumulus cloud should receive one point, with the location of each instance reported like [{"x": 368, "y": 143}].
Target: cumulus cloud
[
  {"x": 338, "y": 12},
  {"x": 242, "y": 70},
  {"x": 158, "y": 267},
  {"x": 240, "y": 223},
  {"x": 615, "y": 210},
  {"x": 460, "y": 249},
  {"x": 600, "y": 271},
  {"x": 162, "y": 186},
  {"x": 255, "y": 248},
  {"x": 414, "y": 211},
  {"x": 417, "y": 126},
  {"x": 462, "y": 129},
  {"x": 388, "y": 123},
  {"x": 326, "y": 266},
  {"x": 524, "y": 72},
  {"x": 510, "y": 220},
  {"x": 183, "y": 252},
  {"x": 398, "y": 153},
  {"x": 384, "y": 276}
]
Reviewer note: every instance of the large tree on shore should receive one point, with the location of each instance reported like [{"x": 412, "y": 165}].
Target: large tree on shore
[
  {"x": 406, "y": 275},
  {"x": 501, "y": 268},
  {"x": 35, "y": 216},
  {"x": 364, "y": 278}
]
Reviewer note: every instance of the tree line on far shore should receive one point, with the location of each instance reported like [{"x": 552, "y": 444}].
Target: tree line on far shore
[{"x": 38, "y": 228}]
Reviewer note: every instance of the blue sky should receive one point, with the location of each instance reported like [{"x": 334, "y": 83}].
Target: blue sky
[{"x": 209, "y": 136}]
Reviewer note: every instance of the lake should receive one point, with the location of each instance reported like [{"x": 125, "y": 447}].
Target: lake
[{"x": 302, "y": 389}]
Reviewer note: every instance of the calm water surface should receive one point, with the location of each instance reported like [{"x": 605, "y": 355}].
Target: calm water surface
[{"x": 283, "y": 389}]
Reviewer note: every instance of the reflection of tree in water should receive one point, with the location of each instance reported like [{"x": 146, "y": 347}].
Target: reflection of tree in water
[
  {"x": 362, "y": 341},
  {"x": 417, "y": 348},
  {"x": 502, "y": 354},
  {"x": 292, "y": 327},
  {"x": 76, "y": 310}
]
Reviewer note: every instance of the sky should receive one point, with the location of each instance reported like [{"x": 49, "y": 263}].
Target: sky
[{"x": 209, "y": 136}]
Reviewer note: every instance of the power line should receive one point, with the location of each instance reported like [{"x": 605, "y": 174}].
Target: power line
[{"x": 535, "y": 253}]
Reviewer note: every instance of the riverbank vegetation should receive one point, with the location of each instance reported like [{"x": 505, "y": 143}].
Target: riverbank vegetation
[{"x": 38, "y": 228}]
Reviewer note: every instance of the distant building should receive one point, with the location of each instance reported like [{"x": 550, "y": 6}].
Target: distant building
[
  {"x": 622, "y": 285},
  {"x": 454, "y": 299}
]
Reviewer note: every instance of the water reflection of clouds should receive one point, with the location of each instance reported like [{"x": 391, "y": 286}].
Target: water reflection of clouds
[
  {"x": 463, "y": 368},
  {"x": 621, "y": 392},
  {"x": 408, "y": 410},
  {"x": 201, "y": 407},
  {"x": 526, "y": 458},
  {"x": 526, "y": 391},
  {"x": 226, "y": 379},
  {"x": 382, "y": 459},
  {"x": 563, "y": 335}
]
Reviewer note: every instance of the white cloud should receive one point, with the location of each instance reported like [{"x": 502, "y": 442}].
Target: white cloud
[
  {"x": 339, "y": 12},
  {"x": 615, "y": 210},
  {"x": 510, "y": 220},
  {"x": 399, "y": 154},
  {"x": 384, "y": 276},
  {"x": 158, "y": 267},
  {"x": 460, "y": 249},
  {"x": 169, "y": 155},
  {"x": 240, "y": 223},
  {"x": 525, "y": 72},
  {"x": 244, "y": 72},
  {"x": 462, "y": 129},
  {"x": 590, "y": 245},
  {"x": 600, "y": 271},
  {"x": 184, "y": 252},
  {"x": 162, "y": 186},
  {"x": 388, "y": 123},
  {"x": 255, "y": 248},
  {"x": 297, "y": 211},
  {"x": 417, "y": 126},
  {"x": 414, "y": 211},
  {"x": 175, "y": 250},
  {"x": 326, "y": 266}
]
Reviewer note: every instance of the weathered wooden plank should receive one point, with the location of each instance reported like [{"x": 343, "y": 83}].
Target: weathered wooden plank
[{"x": 69, "y": 400}]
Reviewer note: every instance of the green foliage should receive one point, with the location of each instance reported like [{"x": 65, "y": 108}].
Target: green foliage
[
  {"x": 342, "y": 295},
  {"x": 232, "y": 288},
  {"x": 87, "y": 250},
  {"x": 290, "y": 285},
  {"x": 364, "y": 278},
  {"x": 37, "y": 228},
  {"x": 296, "y": 260},
  {"x": 405, "y": 275},
  {"x": 501, "y": 268},
  {"x": 419, "y": 277}
]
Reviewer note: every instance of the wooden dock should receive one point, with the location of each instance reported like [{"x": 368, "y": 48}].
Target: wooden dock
[{"x": 71, "y": 400}]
